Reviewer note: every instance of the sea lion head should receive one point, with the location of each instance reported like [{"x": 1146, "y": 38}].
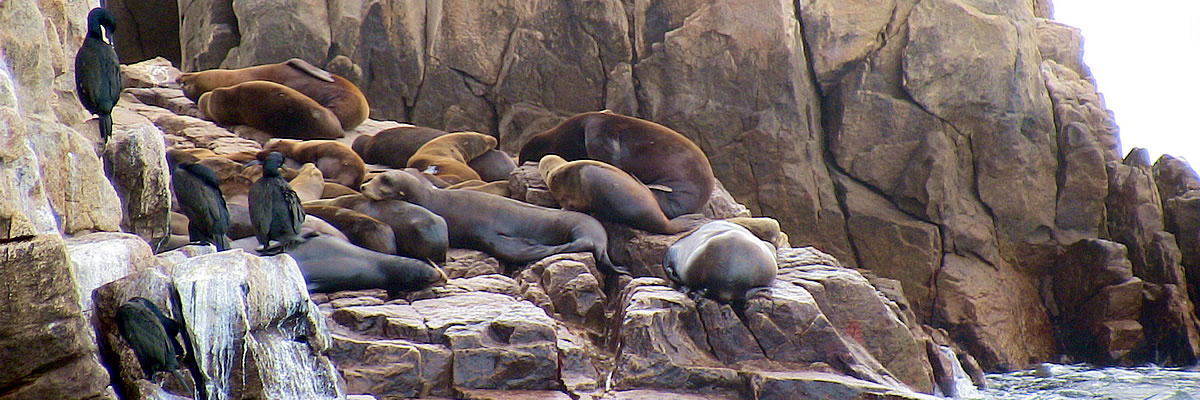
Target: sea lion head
[{"x": 396, "y": 185}]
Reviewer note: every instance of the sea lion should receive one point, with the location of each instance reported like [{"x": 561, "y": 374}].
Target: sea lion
[
  {"x": 605, "y": 191},
  {"x": 308, "y": 183},
  {"x": 419, "y": 233},
  {"x": 722, "y": 261},
  {"x": 493, "y": 165},
  {"x": 446, "y": 156},
  {"x": 275, "y": 209},
  {"x": 97, "y": 70},
  {"x": 509, "y": 230},
  {"x": 199, "y": 194},
  {"x": 394, "y": 146},
  {"x": 332, "y": 190},
  {"x": 337, "y": 162},
  {"x": 333, "y": 92},
  {"x": 674, "y": 168},
  {"x": 361, "y": 229},
  {"x": 499, "y": 188},
  {"x": 330, "y": 264},
  {"x": 270, "y": 107}
]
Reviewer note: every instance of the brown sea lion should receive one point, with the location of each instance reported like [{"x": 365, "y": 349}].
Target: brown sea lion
[
  {"x": 674, "y": 168},
  {"x": 606, "y": 191},
  {"x": 446, "y": 156},
  {"x": 510, "y": 230},
  {"x": 393, "y": 147},
  {"x": 493, "y": 165},
  {"x": 337, "y": 162},
  {"x": 361, "y": 229},
  {"x": 333, "y": 92},
  {"x": 308, "y": 182},
  {"x": 270, "y": 107},
  {"x": 499, "y": 188},
  {"x": 722, "y": 261},
  {"x": 419, "y": 232},
  {"x": 332, "y": 190}
]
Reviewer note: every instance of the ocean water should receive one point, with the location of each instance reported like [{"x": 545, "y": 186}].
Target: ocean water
[{"x": 1053, "y": 382}]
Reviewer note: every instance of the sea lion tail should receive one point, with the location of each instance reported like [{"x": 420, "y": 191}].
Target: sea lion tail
[{"x": 105, "y": 127}]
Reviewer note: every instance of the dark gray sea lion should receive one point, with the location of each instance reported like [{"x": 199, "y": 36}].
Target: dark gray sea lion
[
  {"x": 419, "y": 233},
  {"x": 275, "y": 210},
  {"x": 394, "y": 146},
  {"x": 97, "y": 70},
  {"x": 330, "y": 264},
  {"x": 200, "y": 199},
  {"x": 510, "y": 230},
  {"x": 606, "y": 191},
  {"x": 362, "y": 230},
  {"x": 674, "y": 168},
  {"x": 722, "y": 261},
  {"x": 493, "y": 165}
]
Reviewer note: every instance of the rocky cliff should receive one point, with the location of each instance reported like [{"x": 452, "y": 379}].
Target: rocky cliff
[
  {"x": 955, "y": 152},
  {"x": 957, "y": 146}
]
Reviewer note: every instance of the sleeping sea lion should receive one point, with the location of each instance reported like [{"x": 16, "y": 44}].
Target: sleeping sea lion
[
  {"x": 606, "y": 191},
  {"x": 674, "y": 168},
  {"x": 272, "y": 108},
  {"x": 446, "y": 157},
  {"x": 337, "y": 162},
  {"x": 333, "y": 92},
  {"x": 722, "y": 261},
  {"x": 510, "y": 230}
]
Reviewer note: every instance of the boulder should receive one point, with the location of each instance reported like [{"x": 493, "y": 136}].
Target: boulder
[
  {"x": 262, "y": 336},
  {"x": 1098, "y": 300},
  {"x": 894, "y": 245},
  {"x": 863, "y": 314},
  {"x": 1134, "y": 208},
  {"x": 50, "y": 352},
  {"x": 981, "y": 75},
  {"x": 103, "y": 257},
  {"x": 146, "y": 29},
  {"x": 207, "y": 30},
  {"x": 273, "y": 31},
  {"x": 996, "y": 308},
  {"x": 842, "y": 33},
  {"x": 136, "y": 164}
]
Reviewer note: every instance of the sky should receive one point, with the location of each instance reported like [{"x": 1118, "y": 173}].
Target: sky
[{"x": 1145, "y": 57}]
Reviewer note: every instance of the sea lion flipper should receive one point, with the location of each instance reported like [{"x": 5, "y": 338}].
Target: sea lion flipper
[
  {"x": 310, "y": 69},
  {"x": 660, "y": 188}
]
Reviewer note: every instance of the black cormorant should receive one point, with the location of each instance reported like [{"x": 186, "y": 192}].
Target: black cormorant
[
  {"x": 200, "y": 199},
  {"x": 97, "y": 71},
  {"x": 275, "y": 209}
]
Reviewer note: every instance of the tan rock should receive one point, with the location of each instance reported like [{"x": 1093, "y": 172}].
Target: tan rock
[
  {"x": 146, "y": 29},
  {"x": 51, "y": 353},
  {"x": 997, "y": 306},
  {"x": 208, "y": 29},
  {"x": 841, "y": 33},
  {"x": 136, "y": 163},
  {"x": 704, "y": 88},
  {"x": 981, "y": 75}
]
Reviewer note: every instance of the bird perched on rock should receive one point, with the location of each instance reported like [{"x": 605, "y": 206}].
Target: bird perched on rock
[
  {"x": 275, "y": 209},
  {"x": 200, "y": 199},
  {"x": 149, "y": 334},
  {"x": 97, "y": 71}
]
